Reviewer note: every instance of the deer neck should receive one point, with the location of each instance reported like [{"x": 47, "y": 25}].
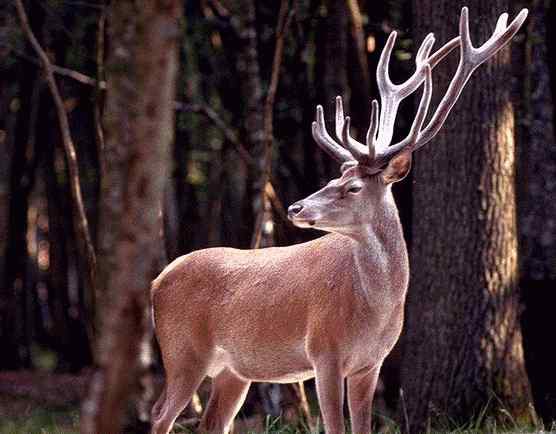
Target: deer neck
[{"x": 380, "y": 254}]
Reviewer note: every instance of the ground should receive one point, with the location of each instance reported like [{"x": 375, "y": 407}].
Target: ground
[{"x": 35, "y": 403}]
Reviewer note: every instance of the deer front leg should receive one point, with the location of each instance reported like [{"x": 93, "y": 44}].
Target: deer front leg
[
  {"x": 361, "y": 388},
  {"x": 330, "y": 391}
]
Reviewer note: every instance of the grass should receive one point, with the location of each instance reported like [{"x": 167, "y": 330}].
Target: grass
[
  {"x": 66, "y": 421},
  {"x": 41, "y": 421},
  {"x": 481, "y": 425}
]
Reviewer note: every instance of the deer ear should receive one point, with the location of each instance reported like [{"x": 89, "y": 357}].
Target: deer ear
[{"x": 397, "y": 168}]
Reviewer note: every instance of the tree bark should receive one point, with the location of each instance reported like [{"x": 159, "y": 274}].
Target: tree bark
[
  {"x": 9, "y": 91},
  {"x": 251, "y": 91},
  {"x": 537, "y": 209},
  {"x": 332, "y": 52},
  {"x": 358, "y": 69},
  {"x": 141, "y": 74},
  {"x": 463, "y": 351},
  {"x": 13, "y": 311}
]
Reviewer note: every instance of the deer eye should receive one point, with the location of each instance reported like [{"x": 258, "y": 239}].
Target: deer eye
[{"x": 354, "y": 189}]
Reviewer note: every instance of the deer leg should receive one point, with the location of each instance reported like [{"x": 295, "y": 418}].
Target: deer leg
[
  {"x": 361, "y": 388},
  {"x": 330, "y": 391},
  {"x": 157, "y": 407},
  {"x": 181, "y": 382},
  {"x": 226, "y": 398}
]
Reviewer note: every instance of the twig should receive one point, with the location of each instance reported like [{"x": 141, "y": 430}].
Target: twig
[
  {"x": 82, "y": 227},
  {"x": 299, "y": 389},
  {"x": 228, "y": 132},
  {"x": 284, "y": 19},
  {"x": 404, "y": 408},
  {"x": 277, "y": 205},
  {"x": 100, "y": 86},
  {"x": 219, "y": 8},
  {"x": 78, "y": 76},
  {"x": 65, "y": 72},
  {"x": 99, "y": 132}
]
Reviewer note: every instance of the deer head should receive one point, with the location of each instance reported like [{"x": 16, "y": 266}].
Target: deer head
[{"x": 368, "y": 170}]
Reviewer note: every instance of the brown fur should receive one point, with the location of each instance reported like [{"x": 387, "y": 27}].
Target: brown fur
[{"x": 332, "y": 307}]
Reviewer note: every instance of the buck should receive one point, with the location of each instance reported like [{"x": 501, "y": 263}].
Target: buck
[{"x": 331, "y": 308}]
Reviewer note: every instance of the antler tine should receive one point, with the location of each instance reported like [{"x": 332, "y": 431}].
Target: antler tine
[
  {"x": 373, "y": 128},
  {"x": 327, "y": 143},
  {"x": 339, "y": 119},
  {"x": 356, "y": 149},
  {"x": 424, "y": 50},
  {"x": 347, "y": 142},
  {"x": 443, "y": 51},
  {"x": 470, "y": 59},
  {"x": 423, "y": 106},
  {"x": 501, "y": 24}
]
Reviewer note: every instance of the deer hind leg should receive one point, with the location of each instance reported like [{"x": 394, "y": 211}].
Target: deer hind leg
[
  {"x": 181, "y": 382},
  {"x": 226, "y": 398}
]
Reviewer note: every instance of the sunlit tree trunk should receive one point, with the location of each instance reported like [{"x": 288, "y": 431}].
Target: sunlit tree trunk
[
  {"x": 463, "y": 350},
  {"x": 139, "y": 123}
]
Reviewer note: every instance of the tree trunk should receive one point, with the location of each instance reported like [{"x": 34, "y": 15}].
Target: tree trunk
[
  {"x": 331, "y": 69},
  {"x": 13, "y": 298},
  {"x": 139, "y": 121},
  {"x": 251, "y": 91},
  {"x": 463, "y": 352},
  {"x": 537, "y": 210},
  {"x": 9, "y": 89}
]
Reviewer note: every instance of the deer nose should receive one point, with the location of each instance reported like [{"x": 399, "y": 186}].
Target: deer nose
[{"x": 294, "y": 209}]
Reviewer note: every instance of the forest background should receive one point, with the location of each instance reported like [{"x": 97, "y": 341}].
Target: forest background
[{"x": 91, "y": 211}]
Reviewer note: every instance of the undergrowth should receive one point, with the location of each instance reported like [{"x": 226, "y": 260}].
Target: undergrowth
[
  {"x": 41, "y": 421},
  {"x": 66, "y": 421}
]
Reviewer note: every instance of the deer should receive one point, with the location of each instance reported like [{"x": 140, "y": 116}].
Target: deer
[{"x": 331, "y": 308}]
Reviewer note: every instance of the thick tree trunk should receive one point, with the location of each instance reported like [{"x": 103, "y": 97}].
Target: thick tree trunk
[
  {"x": 463, "y": 351},
  {"x": 139, "y": 121},
  {"x": 537, "y": 210}
]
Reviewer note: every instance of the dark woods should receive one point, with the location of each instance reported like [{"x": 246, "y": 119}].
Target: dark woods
[{"x": 478, "y": 210}]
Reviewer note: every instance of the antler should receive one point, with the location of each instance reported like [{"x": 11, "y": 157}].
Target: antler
[
  {"x": 378, "y": 152},
  {"x": 390, "y": 95}
]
